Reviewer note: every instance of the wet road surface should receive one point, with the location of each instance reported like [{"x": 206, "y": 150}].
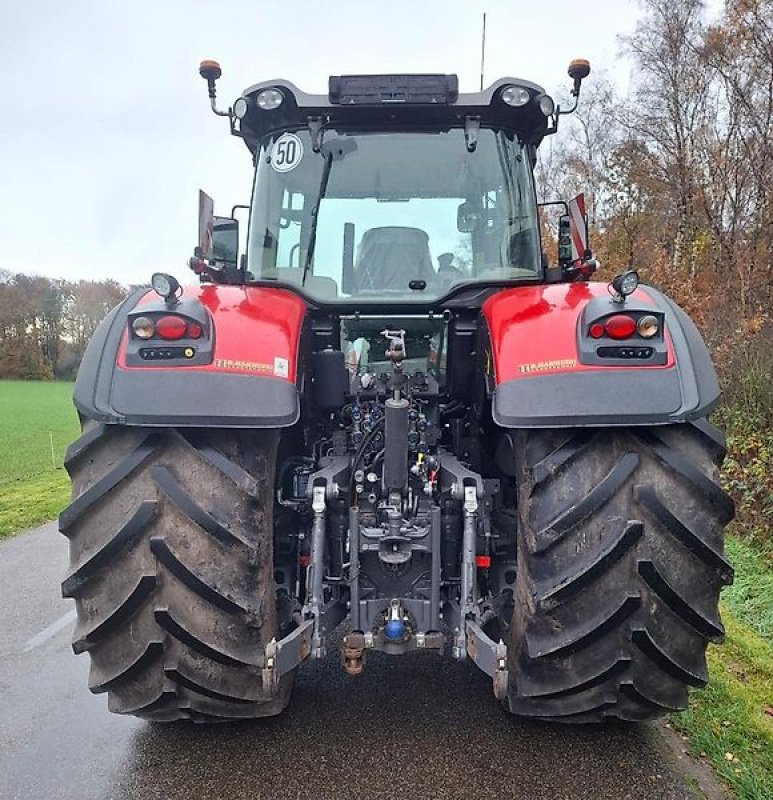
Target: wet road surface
[{"x": 410, "y": 727}]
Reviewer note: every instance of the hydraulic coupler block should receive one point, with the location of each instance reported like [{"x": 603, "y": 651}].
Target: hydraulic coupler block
[
  {"x": 396, "y": 445},
  {"x": 394, "y": 627}
]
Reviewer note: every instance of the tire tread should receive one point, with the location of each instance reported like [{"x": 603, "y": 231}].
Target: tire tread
[
  {"x": 616, "y": 595},
  {"x": 171, "y": 563}
]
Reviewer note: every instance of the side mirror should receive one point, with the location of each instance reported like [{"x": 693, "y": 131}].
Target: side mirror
[
  {"x": 575, "y": 259},
  {"x": 216, "y": 257},
  {"x": 225, "y": 241},
  {"x": 564, "y": 240}
]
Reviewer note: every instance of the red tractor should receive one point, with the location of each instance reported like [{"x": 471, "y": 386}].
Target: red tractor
[{"x": 393, "y": 412}]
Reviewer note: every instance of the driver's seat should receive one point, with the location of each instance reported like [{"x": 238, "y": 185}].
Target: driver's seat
[{"x": 389, "y": 258}]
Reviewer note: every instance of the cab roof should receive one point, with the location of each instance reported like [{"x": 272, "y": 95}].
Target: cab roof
[{"x": 389, "y": 102}]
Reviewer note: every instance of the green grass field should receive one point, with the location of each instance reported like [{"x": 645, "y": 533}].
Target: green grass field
[{"x": 33, "y": 484}]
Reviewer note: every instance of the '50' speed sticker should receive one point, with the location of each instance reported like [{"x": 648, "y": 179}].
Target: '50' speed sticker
[{"x": 286, "y": 153}]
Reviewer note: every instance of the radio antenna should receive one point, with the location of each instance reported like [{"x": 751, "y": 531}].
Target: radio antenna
[{"x": 483, "y": 51}]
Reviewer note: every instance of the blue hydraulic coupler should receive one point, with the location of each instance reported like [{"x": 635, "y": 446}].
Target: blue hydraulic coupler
[{"x": 394, "y": 629}]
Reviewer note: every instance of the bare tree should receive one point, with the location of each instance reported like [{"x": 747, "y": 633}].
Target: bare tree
[{"x": 669, "y": 107}]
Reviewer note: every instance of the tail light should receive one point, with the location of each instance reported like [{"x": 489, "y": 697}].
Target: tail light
[
  {"x": 613, "y": 339},
  {"x": 648, "y": 326},
  {"x": 596, "y": 330},
  {"x": 620, "y": 326},
  {"x": 171, "y": 327},
  {"x": 168, "y": 327},
  {"x": 143, "y": 327}
]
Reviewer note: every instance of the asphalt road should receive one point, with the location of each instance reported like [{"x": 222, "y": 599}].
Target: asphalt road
[{"x": 410, "y": 727}]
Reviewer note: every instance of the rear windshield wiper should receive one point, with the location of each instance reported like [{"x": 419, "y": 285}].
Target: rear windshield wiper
[
  {"x": 315, "y": 213},
  {"x": 335, "y": 150}
]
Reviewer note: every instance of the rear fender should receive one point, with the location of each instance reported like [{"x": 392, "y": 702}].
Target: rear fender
[
  {"x": 242, "y": 371},
  {"x": 547, "y": 372}
]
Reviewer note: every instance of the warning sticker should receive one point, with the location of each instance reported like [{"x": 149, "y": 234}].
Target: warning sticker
[
  {"x": 281, "y": 367},
  {"x": 286, "y": 153}
]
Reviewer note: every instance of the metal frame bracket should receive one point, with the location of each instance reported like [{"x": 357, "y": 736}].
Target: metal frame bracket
[
  {"x": 285, "y": 655},
  {"x": 489, "y": 656}
]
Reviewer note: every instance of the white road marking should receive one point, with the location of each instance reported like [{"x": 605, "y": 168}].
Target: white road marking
[{"x": 51, "y": 630}]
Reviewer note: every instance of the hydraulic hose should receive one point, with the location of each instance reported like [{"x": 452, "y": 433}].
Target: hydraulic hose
[{"x": 368, "y": 438}]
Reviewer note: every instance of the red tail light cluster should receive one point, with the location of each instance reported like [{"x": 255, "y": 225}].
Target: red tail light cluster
[
  {"x": 169, "y": 327},
  {"x": 620, "y": 326},
  {"x": 623, "y": 326}
]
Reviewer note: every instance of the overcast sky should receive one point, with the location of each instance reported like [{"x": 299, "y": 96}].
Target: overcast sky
[{"x": 106, "y": 133}]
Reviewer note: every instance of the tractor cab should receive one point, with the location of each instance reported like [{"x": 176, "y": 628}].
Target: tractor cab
[{"x": 391, "y": 188}]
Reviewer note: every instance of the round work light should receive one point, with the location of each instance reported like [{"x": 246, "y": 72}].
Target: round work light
[
  {"x": 164, "y": 285},
  {"x": 269, "y": 99},
  {"x": 626, "y": 283},
  {"x": 515, "y": 96},
  {"x": 546, "y": 105},
  {"x": 241, "y": 107}
]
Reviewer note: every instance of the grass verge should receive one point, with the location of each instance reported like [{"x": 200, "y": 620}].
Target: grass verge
[
  {"x": 750, "y": 598},
  {"x": 730, "y": 722},
  {"x": 31, "y": 501}
]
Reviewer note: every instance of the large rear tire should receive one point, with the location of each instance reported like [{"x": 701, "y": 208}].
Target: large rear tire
[
  {"x": 171, "y": 569},
  {"x": 620, "y": 565}
]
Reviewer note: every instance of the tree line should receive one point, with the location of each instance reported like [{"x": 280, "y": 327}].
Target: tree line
[
  {"x": 678, "y": 173},
  {"x": 45, "y": 324}
]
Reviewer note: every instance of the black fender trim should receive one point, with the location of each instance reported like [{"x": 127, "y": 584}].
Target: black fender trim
[
  {"x": 687, "y": 391},
  {"x": 160, "y": 397}
]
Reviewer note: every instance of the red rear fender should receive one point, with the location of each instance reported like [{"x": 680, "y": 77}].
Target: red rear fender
[
  {"x": 534, "y": 329},
  {"x": 549, "y": 371},
  {"x": 256, "y": 330},
  {"x": 240, "y": 372}
]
